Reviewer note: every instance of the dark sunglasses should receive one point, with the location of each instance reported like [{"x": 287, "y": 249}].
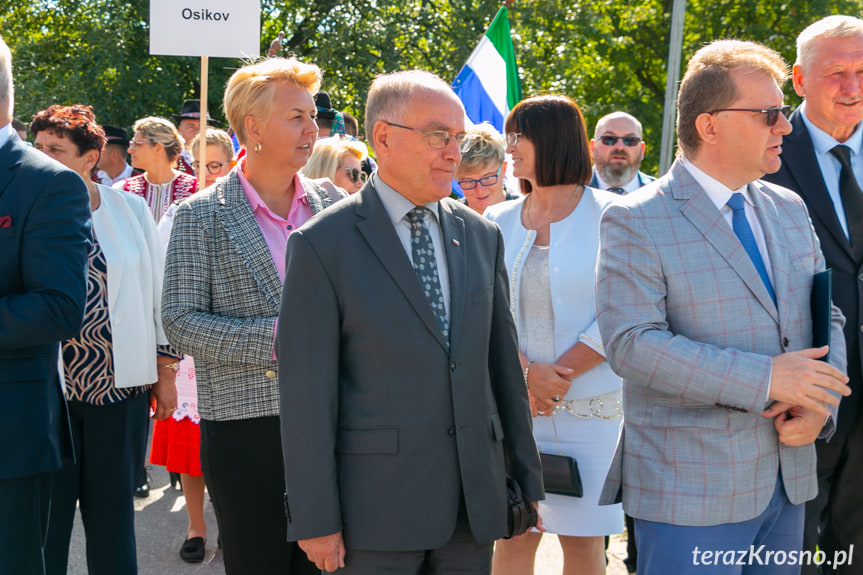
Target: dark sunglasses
[
  {"x": 628, "y": 141},
  {"x": 356, "y": 175},
  {"x": 772, "y": 113}
]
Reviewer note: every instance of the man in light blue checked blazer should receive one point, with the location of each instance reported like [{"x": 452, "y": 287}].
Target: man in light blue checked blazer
[{"x": 703, "y": 301}]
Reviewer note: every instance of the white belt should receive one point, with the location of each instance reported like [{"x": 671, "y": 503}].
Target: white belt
[{"x": 605, "y": 406}]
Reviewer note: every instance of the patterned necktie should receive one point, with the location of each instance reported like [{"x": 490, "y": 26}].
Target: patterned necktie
[
  {"x": 747, "y": 238},
  {"x": 425, "y": 266},
  {"x": 616, "y": 190},
  {"x": 852, "y": 200}
]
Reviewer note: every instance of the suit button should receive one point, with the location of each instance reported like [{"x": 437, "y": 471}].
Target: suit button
[
  {"x": 451, "y": 431},
  {"x": 784, "y": 342},
  {"x": 270, "y": 373},
  {"x": 453, "y": 366}
]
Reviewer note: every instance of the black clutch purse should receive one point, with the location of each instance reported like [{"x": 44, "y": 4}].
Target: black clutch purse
[
  {"x": 560, "y": 472},
  {"x": 560, "y": 475},
  {"x": 521, "y": 515}
]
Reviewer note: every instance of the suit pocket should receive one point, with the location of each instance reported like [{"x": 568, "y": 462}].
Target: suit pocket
[
  {"x": 368, "y": 440},
  {"x": 496, "y": 428},
  {"x": 482, "y": 294},
  {"x": 703, "y": 417},
  {"x": 7, "y": 232}
]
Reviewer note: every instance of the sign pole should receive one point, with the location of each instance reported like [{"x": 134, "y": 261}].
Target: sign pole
[{"x": 202, "y": 138}]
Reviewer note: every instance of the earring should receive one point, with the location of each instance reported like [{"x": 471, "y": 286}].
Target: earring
[{"x": 258, "y": 148}]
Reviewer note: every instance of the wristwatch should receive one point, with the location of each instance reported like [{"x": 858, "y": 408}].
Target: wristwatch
[{"x": 174, "y": 366}]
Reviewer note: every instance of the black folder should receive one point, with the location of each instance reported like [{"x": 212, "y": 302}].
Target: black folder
[{"x": 822, "y": 302}]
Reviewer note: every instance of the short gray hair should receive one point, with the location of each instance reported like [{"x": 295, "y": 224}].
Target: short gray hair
[
  {"x": 390, "y": 95},
  {"x": 7, "y": 92},
  {"x": 829, "y": 27},
  {"x": 484, "y": 145},
  {"x": 617, "y": 116}
]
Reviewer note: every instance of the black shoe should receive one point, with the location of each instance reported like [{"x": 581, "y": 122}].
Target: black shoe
[
  {"x": 193, "y": 550},
  {"x": 143, "y": 488},
  {"x": 175, "y": 480}
]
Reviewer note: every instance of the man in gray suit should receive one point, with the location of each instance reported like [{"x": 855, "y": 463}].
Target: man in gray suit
[
  {"x": 617, "y": 149},
  {"x": 403, "y": 401},
  {"x": 703, "y": 302}
]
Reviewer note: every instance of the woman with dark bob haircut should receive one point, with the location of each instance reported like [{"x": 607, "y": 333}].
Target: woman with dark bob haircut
[
  {"x": 114, "y": 368},
  {"x": 551, "y": 238}
]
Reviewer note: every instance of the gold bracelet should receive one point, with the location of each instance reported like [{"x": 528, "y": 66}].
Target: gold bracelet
[{"x": 172, "y": 366}]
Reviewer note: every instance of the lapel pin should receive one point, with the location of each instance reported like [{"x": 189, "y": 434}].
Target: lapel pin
[{"x": 455, "y": 242}]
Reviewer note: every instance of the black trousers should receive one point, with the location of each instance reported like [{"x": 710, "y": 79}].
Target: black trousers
[
  {"x": 24, "y": 505},
  {"x": 108, "y": 454},
  {"x": 834, "y": 519},
  {"x": 245, "y": 476}
]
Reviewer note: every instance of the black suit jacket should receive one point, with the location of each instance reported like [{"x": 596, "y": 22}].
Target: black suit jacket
[
  {"x": 800, "y": 172},
  {"x": 384, "y": 426},
  {"x": 44, "y": 246}
]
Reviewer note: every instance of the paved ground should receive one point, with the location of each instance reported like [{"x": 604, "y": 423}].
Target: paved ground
[{"x": 160, "y": 527}]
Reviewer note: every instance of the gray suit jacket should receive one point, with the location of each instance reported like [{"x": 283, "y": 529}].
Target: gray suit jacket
[
  {"x": 383, "y": 425},
  {"x": 221, "y": 298},
  {"x": 691, "y": 328}
]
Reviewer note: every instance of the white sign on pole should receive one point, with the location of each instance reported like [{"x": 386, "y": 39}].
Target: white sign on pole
[{"x": 217, "y": 28}]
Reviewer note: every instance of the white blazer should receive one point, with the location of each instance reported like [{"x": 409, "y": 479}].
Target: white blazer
[
  {"x": 572, "y": 268},
  {"x": 127, "y": 235}
]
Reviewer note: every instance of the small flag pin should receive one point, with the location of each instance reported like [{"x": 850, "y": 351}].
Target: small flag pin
[{"x": 455, "y": 242}]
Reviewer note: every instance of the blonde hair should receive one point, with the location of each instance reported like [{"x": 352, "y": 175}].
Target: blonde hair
[
  {"x": 484, "y": 146},
  {"x": 328, "y": 153},
  {"x": 251, "y": 89},
  {"x": 707, "y": 84},
  {"x": 214, "y": 138},
  {"x": 161, "y": 131},
  {"x": 829, "y": 27}
]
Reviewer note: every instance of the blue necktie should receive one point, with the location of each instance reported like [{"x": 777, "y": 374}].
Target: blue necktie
[
  {"x": 747, "y": 238},
  {"x": 425, "y": 266}
]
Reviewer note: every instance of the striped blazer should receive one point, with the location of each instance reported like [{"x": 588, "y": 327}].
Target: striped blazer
[
  {"x": 689, "y": 325},
  {"x": 221, "y": 298}
]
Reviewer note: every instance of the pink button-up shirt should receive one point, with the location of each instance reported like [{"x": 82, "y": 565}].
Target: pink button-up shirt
[{"x": 275, "y": 228}]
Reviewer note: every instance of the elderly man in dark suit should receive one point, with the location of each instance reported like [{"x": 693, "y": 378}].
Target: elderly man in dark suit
[
  {"x": 44, "y": 242},
  {"x": 403, "y": 400},
  {"x": 821, "y": 161}
]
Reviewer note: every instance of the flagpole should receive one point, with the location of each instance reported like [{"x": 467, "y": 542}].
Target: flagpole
[{"x": 675, "y": 46}]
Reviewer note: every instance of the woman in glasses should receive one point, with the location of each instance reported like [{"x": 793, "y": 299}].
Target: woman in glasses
[
  {"x": 480, "y": 173},
  {"x": 552, "y": 240},
  {"x": 224, "y": 272},
  {"x": 154, "y": 148},
  {"x": 338, "y": 159}
]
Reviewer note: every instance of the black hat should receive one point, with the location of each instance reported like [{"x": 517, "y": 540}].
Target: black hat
[
  {"x": 191, "y": 110},
  {"x": 325, "y": 106},
  {"x": 116, "y": 135}
]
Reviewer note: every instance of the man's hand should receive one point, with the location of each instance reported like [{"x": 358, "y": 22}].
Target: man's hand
[
  {"x": 163, "y": 393},
  {"x": 798, "y": 426},
  {"x": 327, "y": 552},
  {"x": 539, "y": 524},
  {"x": 799, "y": 379},
  {"x": 547, "y": 381}
]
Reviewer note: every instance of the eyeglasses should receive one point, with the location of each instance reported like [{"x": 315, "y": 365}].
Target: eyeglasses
[
  {"x": 213, "y": 167},
  {"x": 628, "y": 141},
  {"x": 772, "y": 113},
  {"x": 512, "y": 138},
  {"x": 356, "y": 175},
  {"x": 138, "y": 143},
  {"x": 438, "y": 139},
  {"x": 484, "y": 181}
]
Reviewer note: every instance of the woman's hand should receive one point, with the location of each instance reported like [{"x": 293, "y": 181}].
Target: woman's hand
[
  {"x": 547, "y": 381},
  {"x": 163, "y": 393}
]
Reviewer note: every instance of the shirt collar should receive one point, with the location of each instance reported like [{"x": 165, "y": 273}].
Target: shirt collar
[
  {"x": 824, "y": 142},
  {"x": 255, "y": 201},
  {"x": 5, "y": 133},
  {"x": 718, "y": 192},
  {"x": 396, "y": 205}
]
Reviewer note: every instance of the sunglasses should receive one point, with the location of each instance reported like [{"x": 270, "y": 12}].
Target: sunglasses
[
  {"x": 356, "y": 175},
  {"x": 772, "y": 113},
  {"x": 628, "y": 141}
]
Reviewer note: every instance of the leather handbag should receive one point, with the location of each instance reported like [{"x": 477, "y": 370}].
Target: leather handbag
[
  {"x": 560, "y": 472},
  {"x": 521, "y": 514}
]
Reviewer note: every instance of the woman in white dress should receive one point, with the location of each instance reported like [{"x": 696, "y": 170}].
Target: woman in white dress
[{"x": 552, "y": 239}]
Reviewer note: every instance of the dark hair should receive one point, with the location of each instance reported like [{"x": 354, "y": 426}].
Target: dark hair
[
  {"x": 77, "y": 122},
  {"x": 555, "y": 126}
]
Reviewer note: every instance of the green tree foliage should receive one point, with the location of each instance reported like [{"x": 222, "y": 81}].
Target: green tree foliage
[{"x": 607, "y": 55}]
